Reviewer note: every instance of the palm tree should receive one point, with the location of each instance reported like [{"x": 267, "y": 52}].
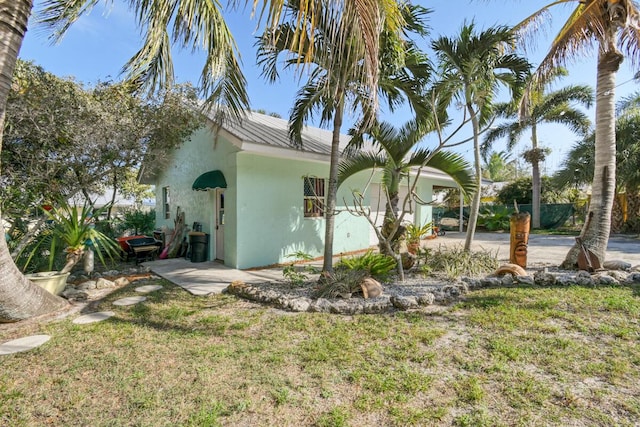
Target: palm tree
[
  {"x": 473, "y": 65},
  {"x": 398, "y": 163},
  {"x": 579, "y": 165},
  {"x": 612, "y": 25},
  {"x": 498, "y": 166},
  {"x": 542, "y": 107},
  {"x": 331, "y": 89},
  {"x": 193, "y": 24}
]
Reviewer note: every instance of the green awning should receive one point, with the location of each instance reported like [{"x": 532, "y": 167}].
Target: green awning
[{"x": 209, "y": 181}]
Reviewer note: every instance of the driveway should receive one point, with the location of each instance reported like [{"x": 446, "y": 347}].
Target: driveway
[{"x": 543, "y": 249}]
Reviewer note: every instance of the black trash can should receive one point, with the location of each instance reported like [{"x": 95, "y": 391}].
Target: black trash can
[{"x": 199, "y": 243}]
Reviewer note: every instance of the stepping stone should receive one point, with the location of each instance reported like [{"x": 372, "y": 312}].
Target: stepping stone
[
  {"x": 129, "y": 300},
  {"x": 23, "y": 344},
  {"x": 148, "y": 288},
  {"x": 93, "y": 317}
]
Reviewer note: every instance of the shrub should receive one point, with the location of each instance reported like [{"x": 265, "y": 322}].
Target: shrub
[
  {"x": 495, "y": 218},
  {"x": 339, "y": 282},
  {"x": 72, "y": 230},
  {"x": 292, "y": 274},
  {"x": 138, "y": 222},
  {"x": 456, "y": 262},
  {"x": 373, "y": 263}
]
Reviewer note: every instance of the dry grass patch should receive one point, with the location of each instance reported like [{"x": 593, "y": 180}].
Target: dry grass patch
[{"x": 517, "y": 356}]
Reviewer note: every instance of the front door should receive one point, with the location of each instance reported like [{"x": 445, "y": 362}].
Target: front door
[{"x": 220, "y": 224}]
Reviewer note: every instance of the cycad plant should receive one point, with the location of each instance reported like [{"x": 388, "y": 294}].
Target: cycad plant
[{"x": 72, "y": 230}]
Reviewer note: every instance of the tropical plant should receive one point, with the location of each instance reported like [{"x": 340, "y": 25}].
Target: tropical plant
[
  {"x": 340, "y": 283},
  {"x": 138, "y": 222},
  {"x": 520, "y": 191},
  {"x": 542, "y": 107},
  {"x": 293, "y": 274},
  {"x": 337, "y": 81},
  {"x": 72, "y": 230},
  {"x": 194, "y": 24},
  {"x": 400, "y": 164},
  {"x": 372, "y": 263},
  {"x": 396, "y": 159},
  {"x": 611, "y": 25},
  {"x": 578, "y": 166},
  {"x": 498, "y": 166},
  {"x": 415, "y": 233},
  {"x": 472, "y": 67},
  {"x": 456, "y": 262},
  {"x": 495, "y": 217}
]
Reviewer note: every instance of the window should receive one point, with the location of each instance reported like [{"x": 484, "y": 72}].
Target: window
[
  {"x": 313, "y": 197},
  {"x": 166, "y": 200}
]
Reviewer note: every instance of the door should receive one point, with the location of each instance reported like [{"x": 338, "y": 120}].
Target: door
[{"x": 220, "y": 224}]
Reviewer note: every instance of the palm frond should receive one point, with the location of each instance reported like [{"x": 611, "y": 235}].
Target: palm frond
[
  {"x": 447, "y": 162},
  {"x": 360, "y": 162}
]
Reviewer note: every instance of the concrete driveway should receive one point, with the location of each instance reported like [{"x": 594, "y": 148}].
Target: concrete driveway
[{"x": 543, "y": 249}]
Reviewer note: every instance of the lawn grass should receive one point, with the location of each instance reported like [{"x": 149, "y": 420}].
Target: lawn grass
[{"x": 517, "y": 356}]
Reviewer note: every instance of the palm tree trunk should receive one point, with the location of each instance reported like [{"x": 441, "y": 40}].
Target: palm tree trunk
[
  {"x": 390, "y": 229},
  {"x": 475, "y": 202},
  {"x": 332, "y": 191},
  {"x": 536, "y": 183},
  {"x": 595, "y": 233},
  {"x": 19, "y": 298}
]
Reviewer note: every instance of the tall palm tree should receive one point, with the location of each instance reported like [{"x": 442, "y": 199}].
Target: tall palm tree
[
  {"x": 543, "y": 107},
  {"x": 611, "y": 25},
  {"x": 398, "y": 160},
  {"x": 193, "y": 24},
  {"x": 498, "y": 166},
  {"x": 579, "y": 165},
  {"x": 330, "y": 90},
  {"x": 473, "y": 66}
]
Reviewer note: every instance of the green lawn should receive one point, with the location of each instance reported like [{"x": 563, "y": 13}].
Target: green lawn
[{"x": 517, "y": 356}]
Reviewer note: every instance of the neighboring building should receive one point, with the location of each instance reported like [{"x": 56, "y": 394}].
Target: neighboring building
[{"x": 259, "y": 198}]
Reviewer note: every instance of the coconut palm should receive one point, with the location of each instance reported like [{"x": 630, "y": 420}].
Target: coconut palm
[
  {"x": 579, "y": 165},
  {"x": 399, "y": 163},
  {"x": 193, "y": 24},
  {"x": 330, "y": 90},
  {"x": 611, "y": 25},
  {"x": 543, "y": 107},
  {"x": 473, "y": 66}
]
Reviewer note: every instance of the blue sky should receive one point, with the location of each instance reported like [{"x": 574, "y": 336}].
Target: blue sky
[{"x": 97, "y": 46}]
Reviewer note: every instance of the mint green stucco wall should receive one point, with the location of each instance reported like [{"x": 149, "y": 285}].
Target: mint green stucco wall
[
  {"x": 424, "y": 213},
  {"x": 271, "y": 223},
  {"x": 264, "y": 219},
  {"x": 189, "y": 161}
]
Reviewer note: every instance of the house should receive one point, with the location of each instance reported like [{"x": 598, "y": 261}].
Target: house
[{"x": 259, "y": 198}]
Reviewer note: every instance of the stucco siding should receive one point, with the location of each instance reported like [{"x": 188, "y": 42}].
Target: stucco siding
[
  {"x": 188, "y": 162},
  {"x": 271, "y": 222},
  {"x": 264, "y": 200}
]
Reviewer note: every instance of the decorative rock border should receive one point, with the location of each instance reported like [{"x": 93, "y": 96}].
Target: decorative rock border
[
  {"x": 418, "y": 292},
  {"x": 88, "y": 287},
  {"x": 277, "y": 294}
]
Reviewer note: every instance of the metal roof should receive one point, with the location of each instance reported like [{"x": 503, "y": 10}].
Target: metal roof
[{"x": 272, "y": 131}]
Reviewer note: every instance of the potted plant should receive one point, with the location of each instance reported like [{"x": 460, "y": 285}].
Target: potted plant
[
  {"x": 71, "y": 229},
  {"x": 414, "y": 233}
]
